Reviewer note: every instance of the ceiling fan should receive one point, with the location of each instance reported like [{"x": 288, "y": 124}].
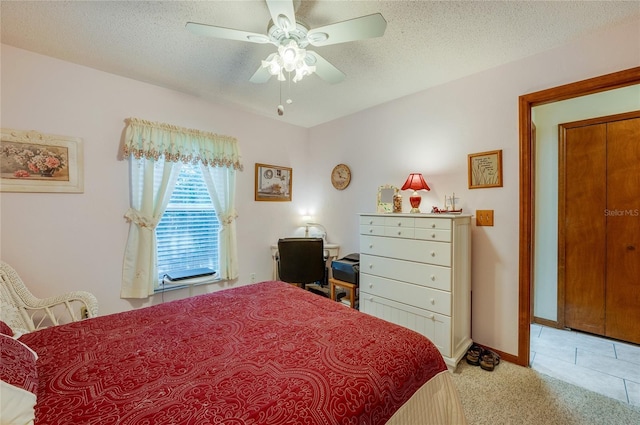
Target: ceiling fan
[{"x": 292, "y": 36}]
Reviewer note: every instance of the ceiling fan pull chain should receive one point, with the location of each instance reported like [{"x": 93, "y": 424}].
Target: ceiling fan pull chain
[
  {"x": 280, "y": 107},
  {"x": 289, "y": 101}
]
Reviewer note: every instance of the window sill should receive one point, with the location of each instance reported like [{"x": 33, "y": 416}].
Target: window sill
[{"x": 187, "y": 283}]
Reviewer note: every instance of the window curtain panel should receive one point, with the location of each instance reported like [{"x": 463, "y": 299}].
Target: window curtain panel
[
  {"x": 224, "y": 203},
  {"x": 148, "y": 144}
]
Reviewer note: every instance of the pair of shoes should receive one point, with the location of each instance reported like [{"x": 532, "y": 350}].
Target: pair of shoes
[
  {"x": 489, "y": 360},
  {"x": 473, "y": 354}
]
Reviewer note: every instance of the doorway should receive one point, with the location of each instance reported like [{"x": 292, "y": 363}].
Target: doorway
[{"x": 526, "y": 102}]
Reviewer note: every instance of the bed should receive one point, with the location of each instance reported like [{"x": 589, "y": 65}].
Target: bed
[{"x": 267, "y": 353}]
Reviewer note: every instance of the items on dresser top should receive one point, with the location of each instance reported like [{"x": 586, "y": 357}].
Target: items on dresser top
[{"x": 415, "y": 272}]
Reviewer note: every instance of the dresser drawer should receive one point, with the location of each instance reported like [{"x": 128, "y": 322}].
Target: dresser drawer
[
  {"x": 434, "y": 326},
  {"x": 396, "y": 221},
  {"x": 372, "y": 220},
  {"x": 433, "y": 234},
  {"x": 430, "y": 252},
  {"x": 368, "y": 229},
  {"x": 432, "y": 223},
  {"x": 407, "y": 293},
  {"x": 437, "y": 277},
  {"x": 399, "y": 232}
]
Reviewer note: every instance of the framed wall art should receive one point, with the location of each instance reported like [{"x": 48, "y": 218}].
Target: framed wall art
[
  {"x": 273, "y": 183},
  {"x": 36, "y": 162},
  {"x": 485, "y": 169}
]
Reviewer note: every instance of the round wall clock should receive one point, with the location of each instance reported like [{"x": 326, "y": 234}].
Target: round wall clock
[{"x": 340, "y": 176}]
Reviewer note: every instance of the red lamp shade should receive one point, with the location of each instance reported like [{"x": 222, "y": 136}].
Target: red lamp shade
[{"x": 415, "y": 182}]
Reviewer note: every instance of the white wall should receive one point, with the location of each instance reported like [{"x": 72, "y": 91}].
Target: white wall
[
  {"x": 63, "y": 241},
  {"x": 547, "y": 117},
  {"x": 60, "y": 242},
  {"x": 432, "y": 132}
]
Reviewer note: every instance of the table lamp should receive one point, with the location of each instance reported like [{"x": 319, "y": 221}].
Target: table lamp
[{"x": 415, "y": 182}]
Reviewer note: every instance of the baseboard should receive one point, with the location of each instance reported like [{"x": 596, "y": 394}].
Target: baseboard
[{"x": 547, "y": 322}]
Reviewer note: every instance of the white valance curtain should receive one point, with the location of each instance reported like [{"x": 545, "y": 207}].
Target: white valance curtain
[{"x": 149, "y": 145}]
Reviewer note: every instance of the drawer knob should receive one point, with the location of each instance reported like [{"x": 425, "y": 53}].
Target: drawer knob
[
  {"x": 432, "y": 301},
  {"x": 399, "y": 232},
  {"x": 370, "y": 230},
  {"x": 433, "y": 254},
  {"x": 371, "y": 299},
  {"x": 370, "y": 221},
  {"x": 433, "y": 277},
  {"x": 371, "y": 285},
  {"x": 370, "y": 266},
  {"x": 399, "y": 224},
  {"x": 432, "y": 317},
  {"x": 433, "y": 225},
  {"x": 433, "y": 235},
  {"x": 370, "y": 245}
]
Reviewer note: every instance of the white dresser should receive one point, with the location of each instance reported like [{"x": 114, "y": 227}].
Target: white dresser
[{"x": 415, "y": 271}]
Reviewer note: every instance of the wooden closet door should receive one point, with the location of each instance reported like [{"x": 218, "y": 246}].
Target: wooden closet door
[
  {"x": 583, "y": 233},
  {"x": 623, "y": 231}
]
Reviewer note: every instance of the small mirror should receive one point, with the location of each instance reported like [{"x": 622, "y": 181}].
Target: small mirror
[{"x": 385, "y": 198}]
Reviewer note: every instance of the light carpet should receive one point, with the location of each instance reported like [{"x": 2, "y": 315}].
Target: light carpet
[{"x": 514, "y": 394}]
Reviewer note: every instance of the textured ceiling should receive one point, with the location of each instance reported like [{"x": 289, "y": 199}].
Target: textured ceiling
[{"x": 426, "y": 43}]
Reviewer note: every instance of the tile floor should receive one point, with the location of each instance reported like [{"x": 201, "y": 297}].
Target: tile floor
[{"x": 601, "y": 365}]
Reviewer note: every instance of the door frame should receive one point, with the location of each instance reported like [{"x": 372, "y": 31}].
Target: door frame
[{"x": 602, "y": 83}]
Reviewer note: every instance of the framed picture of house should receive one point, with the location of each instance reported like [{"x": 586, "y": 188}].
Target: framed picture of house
[
  {"x": 273, "y": 183},
  {"x": 485, "y": 169},
  {"x": 31, "y": 161}
]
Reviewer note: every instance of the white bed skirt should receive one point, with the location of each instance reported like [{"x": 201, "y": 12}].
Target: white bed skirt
[{"x": 436, "y": 403}]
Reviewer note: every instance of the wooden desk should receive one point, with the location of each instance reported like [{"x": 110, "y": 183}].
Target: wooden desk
[{"x": 350, "y": 287}]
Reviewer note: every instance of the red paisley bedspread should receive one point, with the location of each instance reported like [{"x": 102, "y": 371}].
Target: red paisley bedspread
[{"x": 267, "y": 353}]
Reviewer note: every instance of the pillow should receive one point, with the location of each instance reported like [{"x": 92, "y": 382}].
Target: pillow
[
  {"x": 18, "y": 382},
  {"x": 5, "y": 329}
]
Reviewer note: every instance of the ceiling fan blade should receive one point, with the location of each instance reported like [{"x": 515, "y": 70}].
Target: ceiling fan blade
[
  {"x": 282, "y": 14},
  {"x": 369, "y": 26},
  {"x": 262, "y": 75},
  {"x": 324, "y": 68},
  {"x": 226, "y": 33}
]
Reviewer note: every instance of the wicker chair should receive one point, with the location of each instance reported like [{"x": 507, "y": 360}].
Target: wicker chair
[{"x": 25, "y": 313}]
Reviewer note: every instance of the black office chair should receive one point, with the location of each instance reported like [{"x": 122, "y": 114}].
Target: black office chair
[{"x": 301, "y": 261}]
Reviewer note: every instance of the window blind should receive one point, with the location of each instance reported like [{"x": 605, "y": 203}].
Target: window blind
[{"x": 187, "y": 235}]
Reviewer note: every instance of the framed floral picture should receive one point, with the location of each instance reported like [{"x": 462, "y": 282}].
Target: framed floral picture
[
  {"x": 36, "y": 162},
  {"x": 273, "y": 183}
]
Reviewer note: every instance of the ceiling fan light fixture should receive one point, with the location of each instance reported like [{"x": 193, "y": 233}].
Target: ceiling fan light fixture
[
  {"x": 290, "y": 53},
  {"x": 290, "y": 58},
  {"x": 274, "y": 66},
  {"x": 302, "y": 71}
]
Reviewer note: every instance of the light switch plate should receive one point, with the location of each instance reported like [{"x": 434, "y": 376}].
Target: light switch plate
[{"x": 484, "y": 217}]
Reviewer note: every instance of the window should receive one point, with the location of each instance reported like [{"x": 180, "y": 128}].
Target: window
[
  {"x": 190, "y": 234},
  {"x": 187, "y": 234}
]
